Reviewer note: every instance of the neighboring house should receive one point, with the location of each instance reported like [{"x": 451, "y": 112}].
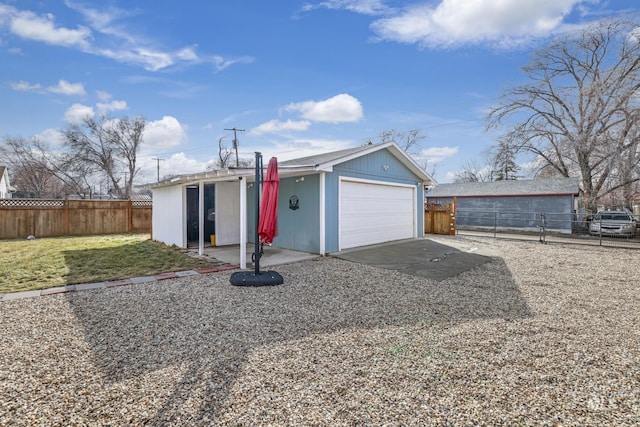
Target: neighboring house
[
  {"x": 514, "y": 204},
  {"x": 6, "y": 190},
  {"x": 327, "y": 203}
]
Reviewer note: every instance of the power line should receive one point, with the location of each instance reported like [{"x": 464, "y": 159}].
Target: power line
[{"x": 235, "y": 143}]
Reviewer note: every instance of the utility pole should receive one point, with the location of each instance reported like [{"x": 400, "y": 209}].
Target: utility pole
[
  {"x": 235, "y": 143},
  {"x": 158, "y": 159}
]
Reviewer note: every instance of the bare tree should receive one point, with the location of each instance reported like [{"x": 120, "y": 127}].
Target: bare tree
[
  {"x": 40, "y": 171},
  {"x": 579, "y": 108},
  {"x": 409, "y": 140},
  {"x": 225, "y": 154},
  {"x": 109, "y": 146},
  {"x": 472, "y": 171}
]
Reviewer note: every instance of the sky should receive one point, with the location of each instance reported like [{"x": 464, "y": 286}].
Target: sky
[{"x": 298, "y": 77}]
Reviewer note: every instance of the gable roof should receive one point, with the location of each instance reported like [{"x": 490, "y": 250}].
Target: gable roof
[
  {"x": 326, "y": 161},
  {"x": 311, "y": 164},
  {"x": 317, "y": 159},
  {"x": 527, "y": 187}
]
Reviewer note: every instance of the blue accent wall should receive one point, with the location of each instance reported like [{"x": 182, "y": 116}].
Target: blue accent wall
[
  {"x": 371, "y": 167},
  {"x": 299, "y": 229}
]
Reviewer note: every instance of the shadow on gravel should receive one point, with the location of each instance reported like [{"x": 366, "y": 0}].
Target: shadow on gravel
[
  {"x": 206, "y": 329},
  {"x": 418, "y": 257}
]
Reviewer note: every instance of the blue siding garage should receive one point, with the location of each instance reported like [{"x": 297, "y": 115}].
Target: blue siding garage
[
  {"x": 511, "y": 204},
  {"x": 355, "y": 187},
  {"x": 328, "y": 202}
]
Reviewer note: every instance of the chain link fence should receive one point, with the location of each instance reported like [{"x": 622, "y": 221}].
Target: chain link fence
[{"x": 603, "y": 229}]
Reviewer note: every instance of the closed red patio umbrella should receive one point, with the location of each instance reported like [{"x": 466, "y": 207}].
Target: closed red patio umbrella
[
  {"x": 268, "y": 225},
  {"x": 265, "y": 226}
]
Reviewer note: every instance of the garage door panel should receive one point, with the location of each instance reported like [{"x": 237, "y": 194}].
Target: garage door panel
[{"x": 375, "y": 213}]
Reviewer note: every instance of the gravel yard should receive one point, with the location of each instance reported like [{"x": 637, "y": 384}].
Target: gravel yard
[{"x": 542, "y": 335}]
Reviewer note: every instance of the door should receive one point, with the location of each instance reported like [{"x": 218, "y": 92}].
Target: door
[{"x": 373, "y": 213}]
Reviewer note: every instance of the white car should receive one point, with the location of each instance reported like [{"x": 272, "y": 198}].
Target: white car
[{"x": 613, "y": 223}]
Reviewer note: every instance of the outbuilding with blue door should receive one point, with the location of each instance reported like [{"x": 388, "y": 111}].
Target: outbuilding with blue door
[{"x": 329, "y": 202}]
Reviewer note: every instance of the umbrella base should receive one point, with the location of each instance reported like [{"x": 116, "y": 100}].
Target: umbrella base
[{"x": 263, "y": 278}]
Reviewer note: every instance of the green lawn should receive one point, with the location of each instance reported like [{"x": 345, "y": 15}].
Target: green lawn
[{"x": 49, "y": 262}]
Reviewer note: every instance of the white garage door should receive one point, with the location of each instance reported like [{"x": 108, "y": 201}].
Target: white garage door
[{"x": 374, "y": 213}]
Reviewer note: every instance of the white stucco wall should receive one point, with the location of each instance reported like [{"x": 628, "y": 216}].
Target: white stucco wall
[
  {"x": 227, "y": 213},
  {"x": 169, "y": 212}
]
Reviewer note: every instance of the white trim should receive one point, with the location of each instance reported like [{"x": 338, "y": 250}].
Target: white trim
[
  {"x": 375, "y": 182},
  {"x": 371, "y": 181},
  {"x": 322, "y": 216},
  {"x": 185, "y": 226},
  {"x": 243, "y": 223},
  {"x": 201, "y": 218}
]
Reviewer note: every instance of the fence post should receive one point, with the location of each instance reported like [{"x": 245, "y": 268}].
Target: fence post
[
  {"x": 543, "y": 228},
  {"x": 495, "y": 223},
  {"x": 600, "y": 232},
  {"x": 66, "y": 216},
  {"x": 129, "y": 216},
  {"x": 454, "y": 221}
]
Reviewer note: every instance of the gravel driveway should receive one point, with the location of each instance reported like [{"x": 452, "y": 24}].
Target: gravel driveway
[{"x": 542, "y": 335}]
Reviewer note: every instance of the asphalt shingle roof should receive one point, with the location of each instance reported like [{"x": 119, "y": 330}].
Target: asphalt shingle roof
[
  {"x": 507, "y": 188},
  {"x": 325, "y": 157}
]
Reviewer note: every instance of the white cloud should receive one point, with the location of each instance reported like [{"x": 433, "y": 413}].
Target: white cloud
[
  {"x": 136, "y": 50},
  {"x": 78, "y": 112},
  {"x": 161, "y": 135},
  {"x": 51, "y": 136},
  {"x": 23, "y": 86},
  {"x": 502, "y": 23},
  {"x": 366, "y": 7},
  {"x": 177, "y": 164},
  {"x": 103, "y": 95},
  {"x": 132, "y": 49},
  {"x": 340, "y": 108},
  {"x": 115, "y": 105},
  {"x": 187, "y": 54},
  {"x": 277, "y": 126},
  {"x": 66, "y": 88},
  {"x": 62, "y": 88},
  {"x": 30, "y": 26},
  {"x": 220, "y": 63},
  {"x": 298, "y": 148},
  {"x": 437, "y": 154},
  {"x": 450, "y": 176},
  {"x": 147, "y": 58}
]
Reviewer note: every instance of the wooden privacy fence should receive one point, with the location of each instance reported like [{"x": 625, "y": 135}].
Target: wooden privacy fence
[
  {"x": 440, "y": 218},
  {"x": 20, "y": 218}
]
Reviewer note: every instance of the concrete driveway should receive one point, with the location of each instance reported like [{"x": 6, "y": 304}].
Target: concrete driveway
[{"x": 418, "y": 257}]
